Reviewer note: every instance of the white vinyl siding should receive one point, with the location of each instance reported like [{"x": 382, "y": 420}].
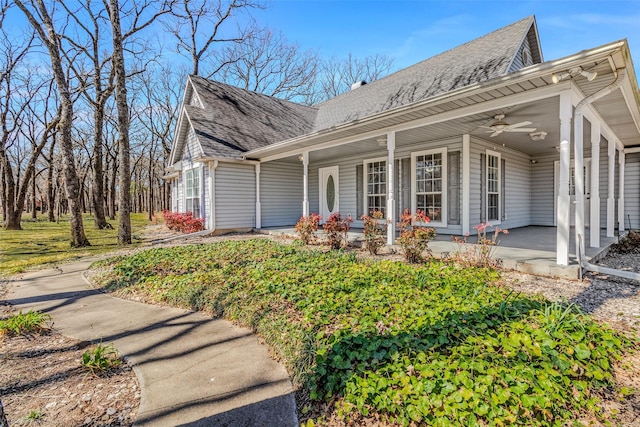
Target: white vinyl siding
[
  {"x": 429, "y": 186},
  {"x": 235, "y": 204},
  {"x": 281, "y": 193},
  {"x": 375, "y": 179},
  {"x": 192, "y": 147}
]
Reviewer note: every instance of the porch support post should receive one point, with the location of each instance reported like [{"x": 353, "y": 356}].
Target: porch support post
[
  {"x": 258, "y": 205},
  {"x": 562, "y": 215},
  {"x": 578, "y": 159},
  {"x": 594, "y": 214},
  {"x": 391, "y": 203},
  {"x": 466, "y": 182},
  {"x": 611, "y": 208},
  {"x": 305, "y": 183},
  {"x": 621, "y": 161}
]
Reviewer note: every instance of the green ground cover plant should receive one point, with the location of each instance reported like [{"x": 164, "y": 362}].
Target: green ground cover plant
[
  {"x": 433, "y": 344},
  {"x": 42, "y": 242},
  {"x": 24, "y": 323},
  {"x": 101, "y": 358}
]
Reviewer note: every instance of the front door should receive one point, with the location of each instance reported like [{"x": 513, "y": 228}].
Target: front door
[
  {"x": 572, "y": 190},
  {"x": 329, "y": 193}
]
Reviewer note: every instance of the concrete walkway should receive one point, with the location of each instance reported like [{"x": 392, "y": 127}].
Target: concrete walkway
[{"x": 193, "y": 370}]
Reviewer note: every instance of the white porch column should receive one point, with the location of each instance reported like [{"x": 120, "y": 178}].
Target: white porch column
[
  {"x": 258, "y": 205},
  {"x": 594, "y": 214},
  {"x": 466, "y": 182},
  {"x": 621, "y": 161},
  {"x": 562, "y": 214},
  {"x": 611, "y": 208},
  {"x": 391, "y": 203},
  {"x": 305, "y": 183},
  {"x": 578, "y": 179}
]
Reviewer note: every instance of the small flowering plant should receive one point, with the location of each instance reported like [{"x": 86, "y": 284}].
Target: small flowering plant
[
  {"x": 375, "y": 231},
  {"x": 414, "y": 239},
  {"x": 336, "y": 228},
  {"x": 307, "y": 226},
  {"x": 480, "y": 254}
]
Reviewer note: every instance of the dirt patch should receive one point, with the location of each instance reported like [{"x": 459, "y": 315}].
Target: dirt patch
[{"x": 43, "y": 383}]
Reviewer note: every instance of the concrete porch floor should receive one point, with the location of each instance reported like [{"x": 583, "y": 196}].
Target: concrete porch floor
[{"x": 529, "y": 249}]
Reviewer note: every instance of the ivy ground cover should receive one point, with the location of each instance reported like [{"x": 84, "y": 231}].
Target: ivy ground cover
[{"x": 433, "y": 344}]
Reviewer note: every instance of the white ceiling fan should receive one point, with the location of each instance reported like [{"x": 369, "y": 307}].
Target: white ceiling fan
[{"x": 499, "y": 126}]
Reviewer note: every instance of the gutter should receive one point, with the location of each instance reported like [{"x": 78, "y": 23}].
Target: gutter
[{"x": 578, "y": 118}]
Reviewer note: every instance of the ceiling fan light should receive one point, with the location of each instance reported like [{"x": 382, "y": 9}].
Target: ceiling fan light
[
  {"x": 555, "y": 78},
  {"x": 499, "y": 125}
]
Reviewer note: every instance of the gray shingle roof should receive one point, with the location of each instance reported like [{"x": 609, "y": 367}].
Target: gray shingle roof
[
  {"x": 476, "y": 61},
  {"x": 235, "y": 120}
]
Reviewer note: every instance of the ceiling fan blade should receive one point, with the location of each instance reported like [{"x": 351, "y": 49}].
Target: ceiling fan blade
[
  {"x": 522, "y": 130},
  {"x": 486, "y": 127},
  {"x": 496, "y": 133},
  {"x": 518, "y": 125}
]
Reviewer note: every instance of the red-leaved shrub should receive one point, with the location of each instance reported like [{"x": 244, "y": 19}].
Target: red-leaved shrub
[{"x": 183, "y": 222}]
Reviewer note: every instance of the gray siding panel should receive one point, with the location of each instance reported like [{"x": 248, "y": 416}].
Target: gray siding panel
[
  {"x": 235, "y": 186},
  {"x": 542, "y": 191},
  {"x": 281, "y": 193},
  {"x": 632, "y": 190}
]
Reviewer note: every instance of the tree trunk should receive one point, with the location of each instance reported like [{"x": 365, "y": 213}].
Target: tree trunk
[
  {"x": 50, "y": 39},
  {"x": 13, "y": 215},
  {"x": 98, "y": 172},
  {"x": 124, "y": 152},
  {"x": 112, "y": 192},
  {"x": 34, "y": 206}
]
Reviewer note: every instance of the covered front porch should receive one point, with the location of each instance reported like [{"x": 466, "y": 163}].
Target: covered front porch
[{"x": 529, "y": 249}]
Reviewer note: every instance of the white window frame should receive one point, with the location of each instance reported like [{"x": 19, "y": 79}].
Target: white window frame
[
  {"x": 365, "y": 181},
  {"x": 414, "y": 199},
  {"x": 195, "y": 171},
  {"x": 486, "y": 186}
]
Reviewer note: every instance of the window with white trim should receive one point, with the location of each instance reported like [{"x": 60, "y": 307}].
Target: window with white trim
[
  {"x": 192, "y": 191},
  {"x": 376, "y": 180},
  {"x": 493, "y": 186},
  {"x": 430, "y": 184}
]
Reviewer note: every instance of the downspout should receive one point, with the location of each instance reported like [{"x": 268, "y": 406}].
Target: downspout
[
  {"x": 212, "y": 194},
  {"x": 578, "y": 117}
]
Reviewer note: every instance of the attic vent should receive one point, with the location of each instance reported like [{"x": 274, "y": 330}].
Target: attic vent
[{"x": 356, "y": 85}]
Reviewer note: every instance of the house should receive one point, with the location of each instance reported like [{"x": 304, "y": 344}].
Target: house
[{"x": 487, "y": 131}]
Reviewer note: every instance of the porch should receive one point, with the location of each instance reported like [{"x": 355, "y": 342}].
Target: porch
[{"x": 530, "y": 249}]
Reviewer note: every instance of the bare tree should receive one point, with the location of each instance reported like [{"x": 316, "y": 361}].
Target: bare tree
[
  {"x": 337, "y": 75},
  {"x": 97, "y": 85},
  {"x": 202, "y": 24},
  {"x": 141, "y": 15},
  {"x": 269, "y": 64},
  {"x": 40, "y": 19}
]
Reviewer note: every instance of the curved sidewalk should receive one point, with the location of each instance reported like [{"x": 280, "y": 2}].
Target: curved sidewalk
[{"x": 193, "y": 370}]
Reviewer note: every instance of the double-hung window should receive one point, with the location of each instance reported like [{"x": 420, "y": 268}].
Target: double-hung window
[
  {"x": 376, "y": 181},
  {"x": 192, "y": 191},
  {"x": 493, "y": 185},
  {"x": 429, "y": 170}
]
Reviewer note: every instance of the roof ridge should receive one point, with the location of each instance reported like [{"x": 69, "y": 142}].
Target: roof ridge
[
  {"x": 388, "y": 76},
  {"x": 272, "y": 97}
]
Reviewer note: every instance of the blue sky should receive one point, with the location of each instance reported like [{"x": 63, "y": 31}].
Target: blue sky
[{"x": 411, "y": 31}]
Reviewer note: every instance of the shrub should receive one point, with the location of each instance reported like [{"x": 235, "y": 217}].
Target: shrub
[
  {"x": 336, "y": 228},
  {"x": 414, "y": 239},
  {"x": 183, "y": 222},
  {"x": 101, "y": 359},
  {"x": 480, "y": 254},
  {"x": 306, "y": 226},
  {"x": 375, "y": 230},
  {"x": 24, "y": 323}
]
